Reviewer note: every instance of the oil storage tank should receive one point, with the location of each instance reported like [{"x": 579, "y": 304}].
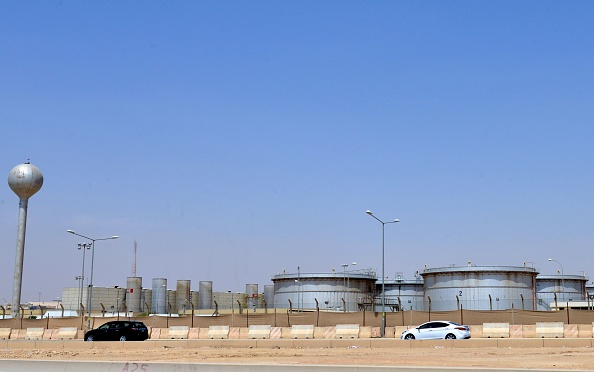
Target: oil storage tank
[
  {"x": 479, "y": 288},
  {"x": 401, "y": 294},
  {"x": 333, "y": 291},
  {"x": 133, "y": 294},
  {"x": 182, "y": 299},
  {"x": 560, "y": 289},
  {"x": 205, "y": 295},
  {"x": 159, "y": 300},
  {"x": 251, "y": 293},
  {"x": 269, "y": 295}
]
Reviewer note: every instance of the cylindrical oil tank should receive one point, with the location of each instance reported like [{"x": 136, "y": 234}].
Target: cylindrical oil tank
[
  {"x": 251, "y": 293},
  {"x": 172, "y": 302},
  {"x": 182, "y": 298},
  {"x": 560, "y": 288},
  {"x": 133, "y": 294},
  {"x": 401, "y": 294},
  {"x": 480, "y": 288},
  {"x": 194, "y": 295},
  {"x": 269, "y": 295},
  {"x": 205, "y": 295},
  {"x": 159, "y": 301},
  {"x": 333, "y": 291}
]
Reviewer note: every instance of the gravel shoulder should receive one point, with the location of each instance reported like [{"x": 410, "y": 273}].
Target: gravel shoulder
[{"x": 529, "y": 358}]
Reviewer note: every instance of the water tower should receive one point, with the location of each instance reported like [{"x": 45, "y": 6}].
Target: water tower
[{"x": 24, "y": 180}]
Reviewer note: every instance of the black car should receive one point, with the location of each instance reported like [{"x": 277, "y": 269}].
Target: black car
[{"x": 125, "y": 330}]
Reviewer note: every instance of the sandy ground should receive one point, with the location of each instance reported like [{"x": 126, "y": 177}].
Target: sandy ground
[{"x": 544, "y": 358}]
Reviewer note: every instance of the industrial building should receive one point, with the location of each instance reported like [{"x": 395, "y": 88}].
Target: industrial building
[{"x": 468, "y": 287}]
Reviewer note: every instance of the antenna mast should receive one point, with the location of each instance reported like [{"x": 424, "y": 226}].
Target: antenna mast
[{"x": 134, "y": 264}]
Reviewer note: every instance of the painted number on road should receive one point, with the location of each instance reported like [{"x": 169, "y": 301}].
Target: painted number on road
[{"x": 135, "y": 367}]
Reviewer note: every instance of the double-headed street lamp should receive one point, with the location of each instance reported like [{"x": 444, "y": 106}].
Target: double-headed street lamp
[
  {"x": 562, "y": 280},
  {"x": 84, "y": 247},
  {"x": 90, "y": 293},
  {"x": 383, "y": 329}
]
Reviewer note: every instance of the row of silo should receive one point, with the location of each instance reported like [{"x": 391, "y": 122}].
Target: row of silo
[
  {"x": 164, "y": 301},
  {"x": 437, "y": 289}
]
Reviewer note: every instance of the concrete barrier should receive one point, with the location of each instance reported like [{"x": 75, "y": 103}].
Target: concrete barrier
[
  {"x": 259, "y": 331},
  {"x": 218, "y": 332},
  {"x": 4, "y": 333},
  {"x": 549, "y": 330},
  {"x": 67, "y": 333},
  {"x": 178, "y": 332},
  {"x": 347, "y": 331},
  {"x": 34, "y": 334},
  {"x": 496, "y": 330},
  {"x": 302, "y": 331}
]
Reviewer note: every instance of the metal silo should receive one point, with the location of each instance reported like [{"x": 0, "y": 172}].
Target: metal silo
[
  {"x": 182, "y": 298},
  {"x": 560, "y": 288},
  {"x": 194, "y": 295},
  {"x": 269, "y": 295},
  {"x": 401, "y": 294},
  {"x": 205, "y": 295},
  {"x": 333, "y": 291},
  {"x": 251, "y": 293},
  {"x": 480, "y": 288},
  {"x": 133, "y": 294},
  {"x": 159, "y": 300}
]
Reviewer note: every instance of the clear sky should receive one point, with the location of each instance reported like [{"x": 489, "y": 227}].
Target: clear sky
[{"x": 237, "y": 139}]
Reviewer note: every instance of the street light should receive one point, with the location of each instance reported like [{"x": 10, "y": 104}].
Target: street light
[
  {"x": 383, "y": 330},
  {"x": 90, "y": 293},
  {"x": 84, "y": 247},
  {"x": 344, "y": 266},
  {"x": 562, "y": 279}
]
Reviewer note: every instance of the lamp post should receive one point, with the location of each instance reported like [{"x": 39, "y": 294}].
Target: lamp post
[
  {"x": 90, "y": 293},
  {"x": 84, "y": 247},
  {"x": 383, "y": 330},
  {"x": 562, "y": 280},
  {"x": 344, "y": 266}
]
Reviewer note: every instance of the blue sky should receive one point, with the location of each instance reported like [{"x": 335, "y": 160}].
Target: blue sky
[{"x": 234, "y": 139}]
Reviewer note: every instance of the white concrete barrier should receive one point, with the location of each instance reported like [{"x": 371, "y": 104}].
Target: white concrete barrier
[
  {"x": 347, "y": 331},
  {"x": 302, "y": 331},
  {"x": 259, "y": 331},
  {"x": 496, "y": 330},
  {"x": 4, "y": 333},
  {"x": 549, "y": 329},
  {"x": 67, "y": 333},
  {"x": 218, "y": 332},
  {"x": 179, "y": 332},
  {"x": 34, "y": 334}
]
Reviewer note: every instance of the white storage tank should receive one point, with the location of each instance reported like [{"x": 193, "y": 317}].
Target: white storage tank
[
  {"x": 205, "y": 295},
  {"x": 251, "y": 293},
  {"x": 334, "y": 291},
  {"x": 564, "y": 287},
  {"x": 133, "y": 294},
  {"x": 401, "y": 294},
  {"x": 159, "y": 296},
  {"x": 182, "y": 299},
  {"x": 479, "y": 288}
]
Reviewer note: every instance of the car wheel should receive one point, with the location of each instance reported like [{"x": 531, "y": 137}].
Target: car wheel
[
  {"x": 90, "y": 338},
  {"x": 122, "y": 338},
  {"x": 450, "y": 336},
  {"x": 409, "y": 337}
]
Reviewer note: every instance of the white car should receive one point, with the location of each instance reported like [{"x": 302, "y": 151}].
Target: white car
[{"x": 439, "y": 329}]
